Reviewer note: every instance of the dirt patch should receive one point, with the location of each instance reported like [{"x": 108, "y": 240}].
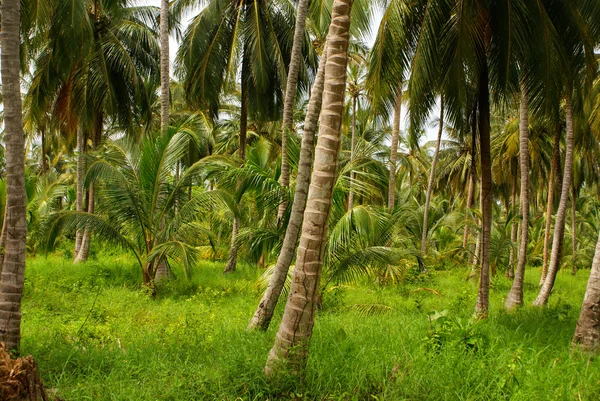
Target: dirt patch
[{"x": 20, "y": 379}]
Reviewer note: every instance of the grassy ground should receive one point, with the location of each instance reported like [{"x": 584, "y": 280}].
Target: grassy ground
[{"x": 97, "y": 336}]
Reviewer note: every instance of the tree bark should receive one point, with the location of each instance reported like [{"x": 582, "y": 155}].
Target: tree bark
[
  {"x": 290, "y": 351},
  {"x": 472, "y": 174},
  {"x": 20, "y": 379},
  {"x": 559, "y": 225},
  {"x": 13, "y": 270},
  {"x": 165, "y": 79},
  {"x": 431, "y": 178},
  {"x": 587, "y": 332},
  {"x": 550, "y": 201},
  {"x": 79, "y": 189},
  {"x": 481, "y": 308},
  {"x": 394, "y": 151},
  {"x": 510, "y": 272},
  {"x": 264, "y": 313},
  {"x": 290, "y": 96},
  {"x": 44, "y": 151},
  {"x": 574, "y": 227},
  {"x": 352, "y": 155},
  {"x": 515, "y": 296}
]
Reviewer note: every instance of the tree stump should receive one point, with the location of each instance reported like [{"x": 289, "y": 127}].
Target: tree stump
[{"x": 20, "y": 379}]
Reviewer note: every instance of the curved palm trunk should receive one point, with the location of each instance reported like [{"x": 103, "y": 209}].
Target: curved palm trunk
[
  {"x": 574, "y": 227},
  {"x": 510, "y": 272},
  {"x": 394, "y": 152},
  {"x": 352, "y": 155},
  {"x": 290, "y": 351},
  {"x": 559, "y": 226},
  {"x": 515, "y": 296},
  {"x": 164, "y": 66},
  {"x": 13, "y": 270},
  {"x": 431, "y": 178},
  {"x": 264, "y": 313},
  {"x": 290, "y": 97},
  {"x": 550, "y": 201},
  {"x": 472, "y": 174},
  {"x": 587, "y": 332},
  {"x": 481, "y": 308},
  {"x": 79, "y": 184}
]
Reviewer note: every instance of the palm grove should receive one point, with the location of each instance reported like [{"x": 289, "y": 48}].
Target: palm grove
[{"x": 276, "y": 139}]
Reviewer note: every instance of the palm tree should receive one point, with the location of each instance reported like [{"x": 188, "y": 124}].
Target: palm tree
[
  {"x": 15, "y": 224},
  {"x": 295, "y": 331}
]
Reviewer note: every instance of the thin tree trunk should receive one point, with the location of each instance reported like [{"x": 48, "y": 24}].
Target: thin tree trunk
[
  {"x": 165, "y": 79},
  {"x": 290, "y": 351},
  {"x": 472, "y": 174},
  {"x": 264, "y": 313},
  {"x": 559, "y": 226},
  {"x": 13, "y": 271},
  {"x": 550, "y": 201},
  {"x": 394, "y": 151},
  {"x": 290, "y": 97},
  {"x": 574, "y": 227},
  {"x": 431, "y": 178},
  {"x": 79, "y": 189},
  {"x": 352, "y": 155},
  {"x": 515, "y": 296},
  {"x": 481, "y": 308},
  {"x": 510, "y": 273},
  {"x": 587, "y": 332},
  {"x": 44, "y": 151}
]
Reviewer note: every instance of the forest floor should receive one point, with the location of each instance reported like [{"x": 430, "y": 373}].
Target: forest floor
[{"x": 97, "y": 335}]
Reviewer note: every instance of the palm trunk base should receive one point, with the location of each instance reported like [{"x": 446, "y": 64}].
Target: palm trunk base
[{"x": 20, "y": 379}]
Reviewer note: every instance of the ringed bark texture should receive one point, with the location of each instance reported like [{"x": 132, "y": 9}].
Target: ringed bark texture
[
  {"x": 13, "y": 269},
  {"x": 515, "y": 296},
  {"x": 290, "y": 351},
  {"x": 165, "y": 79},
  {"x": 559, "y": 225},
  {"x": 264, "y": 313}
]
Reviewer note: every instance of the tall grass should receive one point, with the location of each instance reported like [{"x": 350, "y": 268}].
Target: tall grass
[{"x": 98, "y": 336}]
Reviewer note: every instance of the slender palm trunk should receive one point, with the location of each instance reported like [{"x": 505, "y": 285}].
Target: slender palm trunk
[
  {"x": 515, "y": 296},
  {"x": 481, "y": 308},
  {"x": 165, "y": 79},
  {"x": 510, "y": 272},
  {"x": 587, "y": 332},
  {"x": 290, "y": 351},
  {"x": 13, "y": 270},
  {"x": 574, "y": 227},
  {"x": 264, "y": 313},
  {"x": 431, "y": 178},
  {"x": 394, "y": 151},
  {"x": 232, "y": 259},
  {"x": 3, "y": 236},
  {"x": 352, "y": 155},
  {"x": 550, "y": 201},
  {"x": 44, "y": 151},
  {"x": 472, "y": 175},
  {"x": 559, "y": 225},
  {"x": 79, "y": 188},
  {"x": 290, "y": 97}
]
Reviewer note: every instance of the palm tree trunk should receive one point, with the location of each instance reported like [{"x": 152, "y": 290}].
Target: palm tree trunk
[
  {"x": 515, "y": 296},
  {"x": 290, "y": 351},
  {"x": 290, "y": 96},
  {"x": 394, "y": 151},
  {"x": 574, "y": 227},
  {"x": 3, "y": 235},
  {"x": 550, "y": 201},
  {"x": 264, "y": 313},
  {"x": 587, "y": 332},
  {"x": 481, "y": 307},
  {"x": 13, "y": 271},
  {"x": 165, "y": 79},
  {"x": 472, "y": 174},
  {"x": 510, "y": 272},
  {"x": 559, "y": 225},
  {"x": 352, "y": 155},
  {"x": 44, "y": 151},
  {"x": 79, "y": 189},
  {"x": 431, "y": 178}
]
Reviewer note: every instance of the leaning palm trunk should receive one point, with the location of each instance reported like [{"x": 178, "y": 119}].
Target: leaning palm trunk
[
  {"x": 79, "y": 189},
  {"x": 515, "y": 296},
  {"x": 431, "y": 178},
  {"x": 290, "y": 351},
  {"x": 84, "y": 248},
  {"x": 394, "y": 151},
  {"x": 13, "y": 271},
  {"x": 587, "y": 332},
  {"x": 233, "y": 251},
  {"x": 471, "y": 188},
  {"x": 559, "y": 225},
  {"x": 510, "y": 272},
  {"x": 574, "y": 227},
  {"x": 352, "y": 156},
  {"x": 264, "y": 313},
  {"x": 290, "y": 96},
  {"x": 481, "y": 308},
  {"x": 550, "y": 201}
]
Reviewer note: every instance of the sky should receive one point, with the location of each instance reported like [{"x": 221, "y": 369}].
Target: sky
[{"x": 431, "y": 131}]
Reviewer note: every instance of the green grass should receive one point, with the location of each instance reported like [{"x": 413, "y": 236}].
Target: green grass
[{"x": 97, "y": 336}]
